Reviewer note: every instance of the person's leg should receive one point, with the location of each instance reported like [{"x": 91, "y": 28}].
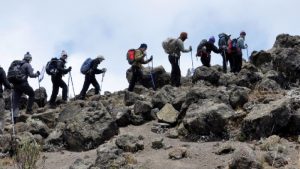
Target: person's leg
[
  {"x": 28, "y": 91},
  {"x": 172, "y": 61},
  {"x": 133, "y": 78},
  {"x": 85, "y": 87},
  {"x": 64, "y": 87},
  {"x": 55, "y": 89},
  {"x": 177, "y": 73},
  {"x": 240, "y": 62},
  {"x": 224, "y": 57},
  {"x": 15, "y": 101},
  {"x": 95, "y": 84}
]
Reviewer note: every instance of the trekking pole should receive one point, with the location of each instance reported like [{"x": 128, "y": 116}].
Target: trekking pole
[
  {"x": 151, "y": 75},
  {"x": 13, "y": 136},
  {"x": 225, "y": 57},
  {"x": 247, "y": 53},
  {"x": 192, "y": 62},
  {"x": 101, "y": 82},
  {"x": 69, "y": 86},
  {"x": 72, "y": 84}
]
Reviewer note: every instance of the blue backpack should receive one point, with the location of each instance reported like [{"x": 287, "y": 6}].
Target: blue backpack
[{"x": 86, "y": 66}]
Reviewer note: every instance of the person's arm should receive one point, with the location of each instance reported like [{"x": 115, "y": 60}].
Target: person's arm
[
  {"x": 61, "y": 68},
  {"x": 5, "y": 81},
  {"x": 181, "y": 46},
  {"x": 216, "y": 49},
  {"x": 241, "y": 44},
  {"x": 29, "y": 71}
]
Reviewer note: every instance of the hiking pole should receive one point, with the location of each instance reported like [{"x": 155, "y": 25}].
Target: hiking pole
[
  {"x": 13, "y": 136},
  {"x": 72, "y": 84},
  {"x": 192, "y": 62},
  {"x": 101, "y": 82},
  {"x": 69, "y": 86},
  {"x": 151, "y": 75}
]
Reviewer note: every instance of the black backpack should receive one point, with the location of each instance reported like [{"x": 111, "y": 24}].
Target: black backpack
[
  {"x": 223, "y": 37},
  {"x": 51, "y": 67},
  {"x": 15, "y": 73}
]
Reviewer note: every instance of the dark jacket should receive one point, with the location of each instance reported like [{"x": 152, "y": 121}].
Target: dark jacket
[
  {"x": 3, "y": 80},
  {"x": 61, "y": 67},
  {"x": 28, "y": 70},
  {"x": 209, "y": 47},
  {"x": 94, "y": 67}
]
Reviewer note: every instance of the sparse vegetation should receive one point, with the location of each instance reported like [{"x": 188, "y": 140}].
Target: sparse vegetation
[{"x": 27, "y": 154}]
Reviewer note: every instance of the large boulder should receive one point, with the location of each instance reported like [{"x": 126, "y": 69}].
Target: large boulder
[
  {"x": 267, "y": 119},
  {"x": 169, "y": 94},
  {"x": 206, "y": 74},
  {"x": 239, "y": 96},
  {"x": 285, "y": 52},
  {"x": 245, "y": 158},
  {"x": 268, "y": 85},
  {"x": 260, "y": 58},
  {"x": 40, "y": 96},
  {"x": 168, "y": 114},
  {"x": 247, "y": 78},
  {"x": 143, "y": 108},
  {"x": 159, "y": 75},
  {"x": 207, "y": 118},
  {"x": 89, "y": 128},
  {"x": 109, "y": 156},
  {"x": 130, "y": 143}
]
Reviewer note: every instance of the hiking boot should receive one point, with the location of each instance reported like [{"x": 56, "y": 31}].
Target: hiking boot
[
  {"x": 29, "y": 112},
  {"x": 52, "y": 106},
  {"x": 63, "y": 102},
  {"x": 22, "y": 118}
]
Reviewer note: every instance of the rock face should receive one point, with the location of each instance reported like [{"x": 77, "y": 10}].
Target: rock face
[
  {"x": 89, "y": 128},
  {"x": 267, "y": 119},
  {"x": 285, "y": 53},
  {"x": 159, "y": 75},
  {"x": 207, "y": 118}
]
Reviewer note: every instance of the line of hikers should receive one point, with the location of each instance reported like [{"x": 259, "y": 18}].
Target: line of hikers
[{"x": 19, "y": 71}]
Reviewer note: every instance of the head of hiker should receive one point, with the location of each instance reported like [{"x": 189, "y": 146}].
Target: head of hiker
[
  {"x": 143, "y": 47},
  {"x": 183, "y": 36}
]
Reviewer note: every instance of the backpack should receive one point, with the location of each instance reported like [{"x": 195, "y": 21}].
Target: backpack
[
  {"x": 51, "y": 67},
  {"x": 15, "y": 73},
  {"x": 233, "y": 45},
  {"x": 223, "y": 38},
  {"x": 169, "y": 45},
  {"x": 201, "y": 51},
  {"x": 130, "y": 56},
  {"x": 86, "y": 66}
]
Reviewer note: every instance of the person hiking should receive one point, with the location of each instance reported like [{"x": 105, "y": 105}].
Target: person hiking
[
  {"x": 174, "y": 58},
  {"x": 3, "y": 82},
  {"x": 90, "y": 77},
  {"x": 24, "y": 87},
  {"x": 136, "y": 68},
  {"x": 58, "y": 82},
  {"x": 240, "y": 45},
  {"x": 204, "y": 50},
  {"x": 223, "y": 46}
]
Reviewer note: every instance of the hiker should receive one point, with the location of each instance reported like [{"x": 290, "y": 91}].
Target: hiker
[
  {"x": 174, "y": 58},
  {"x": 57, "y": 80},
  {"x": 240, "y": 46},
  {"x": 90, "y": 77},
  {"x": 223, "y": 46},
  {"x": 204, "y": 50},
  {"x": 136, "y": 68},
  {"x": 23, "y": 87},
  {"x": 7, "y": 85}
]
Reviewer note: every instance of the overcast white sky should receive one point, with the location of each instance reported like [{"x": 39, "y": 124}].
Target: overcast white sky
[{"x": 86, "y": 28}]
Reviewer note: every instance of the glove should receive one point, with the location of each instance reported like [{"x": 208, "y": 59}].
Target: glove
[
  {"x": 246, "y": 46},
  {"x": 104, "y": 70},
  {"x": 69, "y": 69},
  {"x": 150, "y": 59},
  {"x": 190, "y": 48},
  {"x": 38, "y": 73}
]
